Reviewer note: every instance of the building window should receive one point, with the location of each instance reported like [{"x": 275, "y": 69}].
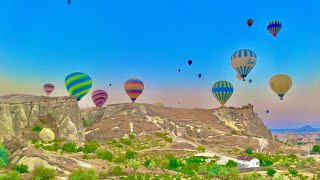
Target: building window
[{"x": 257, "y": 163}]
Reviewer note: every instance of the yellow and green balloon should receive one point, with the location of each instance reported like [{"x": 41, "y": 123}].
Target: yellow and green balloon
[{"x": 78, "y": 84}]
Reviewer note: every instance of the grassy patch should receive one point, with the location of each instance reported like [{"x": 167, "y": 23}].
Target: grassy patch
[{"x": 36, "y": 128}]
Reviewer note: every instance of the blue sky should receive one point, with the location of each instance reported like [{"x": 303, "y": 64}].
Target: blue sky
[{"x": 43, "y": 41}]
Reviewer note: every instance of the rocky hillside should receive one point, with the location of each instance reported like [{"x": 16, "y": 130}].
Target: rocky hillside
[{"x": 20, "y": 113}]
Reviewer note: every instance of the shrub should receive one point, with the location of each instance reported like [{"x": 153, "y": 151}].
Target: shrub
[
  {"x": 195, "y": 159},
  {"x": 120, "y": 159},
  {"x": 13, "y": 175},
  {"x": 271, "y": 172},
  {"x": 248, "y": 151},
  {"x": 37, "y": 128},
  {"x": 147, "y": 162},
  {"x": 21, "y": 168},
  {"x": 231, "y": 163},
  {"x": 293, "y": 172},
  {"x": 33, "y": 141},
  {"x": 214, "y": 170},
  {"x": 228, "y": 173},
  {"x": 174, "y": 163},
  {"x": 152, "y": 165},
  {"x": 91, "y": 146},
  {"x": 234, "y": 132},
  {"x": 41, "y": 172},
  {"x": 43, "y": 121},
  {"x": 105, "y": 155},
  {"x": 316, "y": 149},
  {"x": 70, "y": 147},
  {"x": 85, "y": 156},
  {"x": 125, "y": 141},
  {"x": 311, "y": 161},
  {"x": 132, "y": 136},
  {"x": 4, "y": 156},
  {"x": 203, "y": 169},
  {"x": 134, "y": 164},
  {"x": 201, "y": 148},
  {"x": 253, "y": 176},
  {"x": 87, "y": 123},
  {"x": 117, "y": 171},
  {"x": 81, "y": 174},
  {"x": 103, "y": 174},
  {"x": 165, "y": 137},
  {"x": 37, "y": 145},
  {"x": 130, "y": 154}
]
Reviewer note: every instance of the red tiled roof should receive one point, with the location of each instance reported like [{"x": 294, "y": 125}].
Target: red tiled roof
[{"x": 245, "y": 158}]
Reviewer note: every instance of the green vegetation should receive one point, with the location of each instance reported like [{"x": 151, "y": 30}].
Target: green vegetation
[
  {"x": 293, "y": 172},
  {"x": 132, "y": 136},
  {"x": 271, "y": 172},
  {"x": 223, "y": 172},
  {"x": 21, "y": 168},
  {"x": 70, "y": 147},
  {"x": 130, "y": 154},
  {"x": 41, "y": 172},
  {"x": 36, "y": 128},
  {"x": 125, "y": 141},
  {"x": 13, "y": 175},
  {"x": 117, "y": 171},
  {"x": 253, "y": 176},
  {"x": 231, "y": 163},
  {"x": 165, "y": 137},
  {"x": 43, "y": 121},
  {"x": 316, "y": 149},
  {"x": 104, "y": 154},
  {"x": 134, "y": 164},
  {"x": 201, "y": 148},
  {"x": 80, "y": 174},
  {"x": 248, "y": 151},
  {"x": 87, "y": 122},
  {"x": 234, "y": 132},
  {"x": 4, "y": 156},
  {"x": 91, "y": 146}
]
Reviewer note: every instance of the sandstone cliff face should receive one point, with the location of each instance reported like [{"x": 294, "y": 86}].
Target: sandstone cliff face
[{"x": 19, "y": 113}]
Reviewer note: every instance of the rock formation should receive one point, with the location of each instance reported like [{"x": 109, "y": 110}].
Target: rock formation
[{"x": 47, "y": 135}]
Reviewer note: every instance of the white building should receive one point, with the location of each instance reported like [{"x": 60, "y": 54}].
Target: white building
[{"x": 248, "y": 162}]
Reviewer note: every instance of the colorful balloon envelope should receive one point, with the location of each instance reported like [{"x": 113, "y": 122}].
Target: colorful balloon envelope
[
  {"x": 199, "y": 75},
  {"x": 280, "y": 84},
  {"x": 99, "y": 97},
  {"x": 239, "y": 76},
  {"x": 274, "y": 27},
  {"x": 267, "y": 111},
  {"x": 243, "y": 61},
  {"x": 250, "y": 22},
  {"x": 133, "y": 87},
  {"x": 222, "y": 91},
  {"x": 189, "y": 62},
  {"x": 78, "y": 84},
  {"x": 48, "y": 88}
]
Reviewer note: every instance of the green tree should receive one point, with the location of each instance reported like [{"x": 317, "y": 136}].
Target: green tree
[
  {"x": 21, "y": 168},
  {"x": 214, "y": 170},
  {"x": 13, "y": 175},
  {"x": 117, "y": 171},
  {"x": 147, "y": 162},
  {"x": 152, "y": 165},
  {"x": 231, "y": 163},
  {"x": 70, "y": 147},
  {"x": 105, "y": 155},
  {"x": 130, "y": 154},
  {"x": 4, "y": 156},
  {"x": 37, "y": 128},
  {"x": 271, "y": 172},
  {"x": 248, "y": 151},
  {"x": 316, "y": 149},
  {"x": 293, "y": 172},
  {"x": 80, "y": 174},
  {"x": 41, "y": 172},
  {"x": 91, "y": 146},
  {"x": 134, "y": 164},
  {"x": 132, "y": 136},
  {"x": 173, "y": 163}
]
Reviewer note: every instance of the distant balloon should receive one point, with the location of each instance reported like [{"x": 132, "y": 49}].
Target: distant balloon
[
  {"x": 267, "y": 111},
  {"x": 199, "y": 75},
  {"x": 78, "y": 84},
  {"x": 239, "y": 76},
  {"x": 222, "y": 91},
  {"x": 133, "y": 87},
  {"x": 280, "y": 84},
  {"x": 274, "y": 27},
  {"x": 99, "y": 97},
  {"x": 109, "y": 84},
  {"x": 249, "y": 22},
  {"x": 48, "y": 88},
  {"x": 250, "y": 81},
  {"x": 179, "y": 70},
  {"x": 189, "y": 62},
  {"x": 69, "y": 1},
  {"x": 243, "y": 61}
]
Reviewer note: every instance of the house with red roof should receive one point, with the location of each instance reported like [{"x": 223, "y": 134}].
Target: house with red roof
[{"x": 248, "y": 162}]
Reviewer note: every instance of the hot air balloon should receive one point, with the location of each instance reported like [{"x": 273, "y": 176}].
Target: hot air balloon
[
  {"x": 267, "y": 111},
  {"x": 78, "y": 84},
  {"x": 109, "y": 84},
  {"x": 99, "y": 97},
  {"x": 69, "y": 2},
  {"x": 243, "y": 61},
  {"x": 189, "y": 62},
  {"x": 274, "y": 27},
  {"x": 239, "y": 76},
  {"x": 48, "y": 88},
  {"x": 250, "y": 81},
  {"x": 179, "y": 70},
  {"x": 199, "y": 75},
  {"x": 133, "y": 87},
  {"x": 222, "y": 91},
  {"x": 280, "y": 84},
  {"x": 250, "y": 22}
]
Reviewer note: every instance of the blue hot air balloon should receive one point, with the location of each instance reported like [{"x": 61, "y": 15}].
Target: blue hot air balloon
[
  {"x": 222, "y": 91},
  {"x": 243, "y": 61},
  {"x": 274, "y": 27},
  {"x": 250, "y": 81},
  {"x": 267, "y": 111},
  {"x": 78, "y": 84}
]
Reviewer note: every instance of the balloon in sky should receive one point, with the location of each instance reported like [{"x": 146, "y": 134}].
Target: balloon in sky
[
  {"x": 69, "y": 1},
  {"x": 250, "y": 22},
  {"x": 280, "y": 84},
  {"x": 78, "y": 84},
  {"x": 179, "y": 70},
  {"x": 199, "y": 75},
  {"x": 133, "y": 87},
  {"x": 109, "y": 84},
  {"x": 222, "y": 91},
  {"x": 250, "y": 81},
  {"x": 189, "y": 62},
  {"x": 99, "y": 97},
  {"x": 48, "y": 88},
  {"x": 243, "y": 61},
  {"x": 267, "y": 111},
  {"x": 274, "y": 27},
  {"x": 239, "y": 76}
]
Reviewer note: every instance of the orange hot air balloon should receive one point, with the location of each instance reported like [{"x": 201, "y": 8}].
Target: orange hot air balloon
[{"x": 133, "y": 87}]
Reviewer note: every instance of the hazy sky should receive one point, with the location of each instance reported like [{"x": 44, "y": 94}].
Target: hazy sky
[{"x": 43, "y": 41}]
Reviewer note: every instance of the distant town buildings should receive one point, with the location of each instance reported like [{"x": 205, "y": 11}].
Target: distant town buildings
[{"x": 248, "y": 162}]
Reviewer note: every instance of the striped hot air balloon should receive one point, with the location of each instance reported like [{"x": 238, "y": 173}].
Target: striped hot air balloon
[
  {"x": 133, "y": 87},
  {"x": 222, "y": 91},
  {"x": 243, "y": 61},
  {"x": 78, "y": 84},
  {"x": 99, "y": 97},
  {"x": 274, "y": 27},
  {"x": 48, "y": 88}
]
